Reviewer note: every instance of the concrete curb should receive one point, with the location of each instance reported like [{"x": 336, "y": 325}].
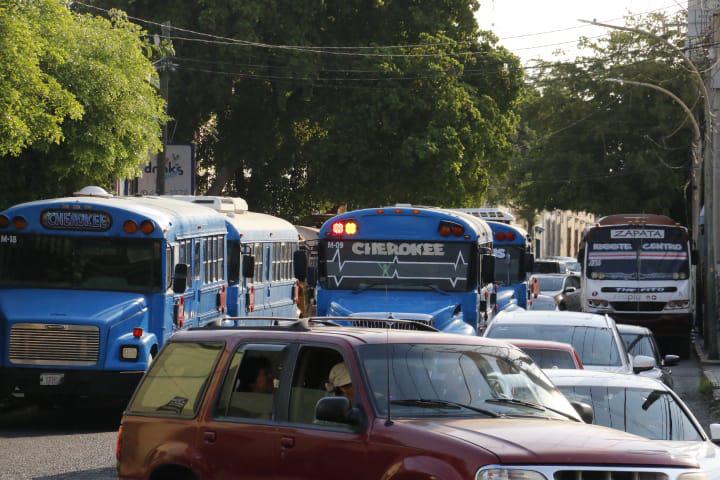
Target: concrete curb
[
  {"x": 714, "y": 378},
  {"x": 700, "y": 352}
]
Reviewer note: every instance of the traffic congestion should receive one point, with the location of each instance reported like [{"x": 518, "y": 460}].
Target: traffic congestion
[{"x": 431, "y": 343}]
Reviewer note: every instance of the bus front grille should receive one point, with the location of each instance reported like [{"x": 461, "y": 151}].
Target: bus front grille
[
  {"x": 638, "y": 306},
  {"x": 53, "y": 344}
]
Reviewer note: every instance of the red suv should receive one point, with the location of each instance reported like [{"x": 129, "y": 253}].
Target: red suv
[{"x": 311, "y": 400}]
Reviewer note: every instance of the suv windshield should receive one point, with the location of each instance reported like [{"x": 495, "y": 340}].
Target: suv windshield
[
  {"x": 458, "y": 380},
  {"x": 92, "y": 263},
  {"x": 596, "y": 346}
]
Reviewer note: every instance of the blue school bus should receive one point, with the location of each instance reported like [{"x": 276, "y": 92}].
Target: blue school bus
[
  {"x": 425, "y": 264},
  {"x": 91, "y": 287},
  {"x": 261, "y": 249},
  {"x": 513, "y": 261}
]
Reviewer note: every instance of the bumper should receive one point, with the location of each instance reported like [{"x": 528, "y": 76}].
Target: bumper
[
  {"x": 111, "y": 386},
  {"x": 662, "y": 325}
]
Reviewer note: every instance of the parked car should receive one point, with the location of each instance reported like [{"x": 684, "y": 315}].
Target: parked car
[
  {"x": 554, "y": 284},
  {"x": 547, "y": 354},
  {"x": 304, "y": 400},
  {"x": 640, "y": 341},
  {"x": 542, "y": 302},
  {"x": 645, "y": 407},
  {"x": 595, "y": 337}
]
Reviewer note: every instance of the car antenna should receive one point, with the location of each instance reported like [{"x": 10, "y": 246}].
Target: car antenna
[{"x": 388, "y": 420}]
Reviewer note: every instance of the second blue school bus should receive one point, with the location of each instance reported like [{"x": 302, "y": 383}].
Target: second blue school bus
[
  {"x": 260, "y": 253},
  {"x": 425, "y": 264},
  {"x": 513, "y": 262},
  {"x": 92, "y": 286}
]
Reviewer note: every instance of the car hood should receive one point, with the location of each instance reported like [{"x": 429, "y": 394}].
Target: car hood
[
  {"x": 553, "y": 442},
  {"x": 87, "y": 307},
  {"x": 706, "y": 453}
]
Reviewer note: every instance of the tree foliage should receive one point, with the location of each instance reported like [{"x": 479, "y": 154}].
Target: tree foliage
[
  {"x": 587, "y": 143},
  {"x": 292, "y": 129},
  {"x": 77, "y": 97}
]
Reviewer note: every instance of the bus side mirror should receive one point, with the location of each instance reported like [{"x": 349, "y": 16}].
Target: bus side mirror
[
  {"x": 581, "y": 256},
  {"x": 248, "y": 266},
  {"x": 694, "y": 255},
  {"x": 487, "y": 269},
  {"x": 528, "y": 262},
  {"x": 300, "y": 265},
  {"x": 180, "y": 277}
]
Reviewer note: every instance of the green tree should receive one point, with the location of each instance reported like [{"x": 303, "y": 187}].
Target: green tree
[
  {"x": 78, "y": 101},
  {"x": 291, "y": 129},
  {"x": 589, "y": 144}
]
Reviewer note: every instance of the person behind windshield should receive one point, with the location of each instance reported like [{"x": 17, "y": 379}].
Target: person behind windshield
[{"x": 340, "y": 383}]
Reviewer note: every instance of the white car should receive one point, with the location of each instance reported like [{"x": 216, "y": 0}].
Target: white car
[
  {"x": 595, "y": 337},
  {"x": 645, "y": 407},
  {"x": 553, "y": 284}
]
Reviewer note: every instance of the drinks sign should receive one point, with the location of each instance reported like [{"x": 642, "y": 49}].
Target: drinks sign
[{"x": 90, "y": 221}]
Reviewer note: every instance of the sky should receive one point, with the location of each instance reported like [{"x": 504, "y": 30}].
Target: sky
[{"x": 511, "y": 18}]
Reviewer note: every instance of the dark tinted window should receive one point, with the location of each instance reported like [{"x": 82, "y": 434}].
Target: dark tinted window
[
  {"x": 311, "y": 382},
  {"x": 639, "y": 344},
  {"x": 596, "y": 346},
  {"x": 546, "y": 267},
  {"x": 52, "y": 261},
  {"x": 545, "y": 358},
  {"x": 176, "y": 382},
  {"x": 653, "y": 414}
]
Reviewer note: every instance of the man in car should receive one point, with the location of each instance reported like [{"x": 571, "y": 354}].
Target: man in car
[{"x": 340, "y": 383}]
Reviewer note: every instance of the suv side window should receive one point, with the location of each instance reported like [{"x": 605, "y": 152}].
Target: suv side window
[
  {"x": 573, "y": 282},
  {"x": 310, "y": 380},
  {"x": 176, "y": 382},
  {"x": 252, "y": 381}
]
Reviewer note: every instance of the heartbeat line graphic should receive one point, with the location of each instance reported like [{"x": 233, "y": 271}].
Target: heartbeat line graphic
[{"x": 393, "y": 266}]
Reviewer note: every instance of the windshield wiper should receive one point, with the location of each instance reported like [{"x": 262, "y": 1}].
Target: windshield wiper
[
  {"x": 523, "y": 403},
  {"x": 438, "y": 403}
]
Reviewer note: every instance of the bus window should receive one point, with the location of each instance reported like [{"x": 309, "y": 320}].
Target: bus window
[
  {"x": 197, "y": 260},
  {"x": 169, "y": 264},
  {"x": 258, "y": 253},
  {"x": 233, "y": 262}
]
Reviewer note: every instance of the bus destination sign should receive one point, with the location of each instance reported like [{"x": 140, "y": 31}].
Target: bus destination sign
[{"x": 91, "y": 221}]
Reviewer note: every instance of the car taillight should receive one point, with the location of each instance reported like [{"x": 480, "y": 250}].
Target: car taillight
[{"x": 118, "y": 447}]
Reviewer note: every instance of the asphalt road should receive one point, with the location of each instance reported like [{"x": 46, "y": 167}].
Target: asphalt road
[{"x": 56, "y": 444}]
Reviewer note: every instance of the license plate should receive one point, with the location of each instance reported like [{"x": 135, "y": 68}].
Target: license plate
[{"x": 51, "y": 379}]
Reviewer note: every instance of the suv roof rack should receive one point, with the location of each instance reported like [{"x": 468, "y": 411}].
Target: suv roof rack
[
  {"x": 259, "y": 323},
  {"x": 304, "y": 324}
]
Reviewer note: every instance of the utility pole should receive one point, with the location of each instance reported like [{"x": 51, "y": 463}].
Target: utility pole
[{"x": 164, "y": 70}]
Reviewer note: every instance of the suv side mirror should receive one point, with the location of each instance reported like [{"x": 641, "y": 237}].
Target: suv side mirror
[
  {"x": 570, "y": 290},
  {"x": 300, "y": 265},
  {"x": 584, "y": 410},
  {"x": 643, "y": 363},
  {"x": 487, "y": 269},
  {"x": 248, "y": 266},
  {"x": 336, "y": 410},
  {"x": 180, "y": 278},
  {"x": 670, "y": 360},
  {"x": 715, "y": 433},
  {"x": 528, "y": 262}
]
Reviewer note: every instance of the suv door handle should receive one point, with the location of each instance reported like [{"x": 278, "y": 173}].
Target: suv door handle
[
  {"x": 209, "y": 436},
  {"x": 287, "y": 442}
]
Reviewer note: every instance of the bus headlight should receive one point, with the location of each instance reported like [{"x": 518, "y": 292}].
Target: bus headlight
[
  {"x": 676, "y": 304},
  {"x": 499, "y": 473},
  {"x": 129, "y": 353}
]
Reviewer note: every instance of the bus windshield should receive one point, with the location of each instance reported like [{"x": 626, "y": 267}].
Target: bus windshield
[
  {"x": 508, "y": 264},
  {"x": 359, "y": 265},
  {"x": 51, "y": 261},
  {"x": 662, "y": 257}
]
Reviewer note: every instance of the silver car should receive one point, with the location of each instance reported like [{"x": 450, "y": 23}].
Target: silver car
[{"x": 640, "y": 341}]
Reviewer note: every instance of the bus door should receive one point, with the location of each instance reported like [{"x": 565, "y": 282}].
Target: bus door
[{"x": 184, "y": 312}]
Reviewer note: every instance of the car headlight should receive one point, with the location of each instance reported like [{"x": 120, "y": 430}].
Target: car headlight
[
  {"x": 500, "y": 473},
  {"x": 129, "y": 352},
  {"x": 676, "y": 304},
  {"x": 692, "y": 476}
]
